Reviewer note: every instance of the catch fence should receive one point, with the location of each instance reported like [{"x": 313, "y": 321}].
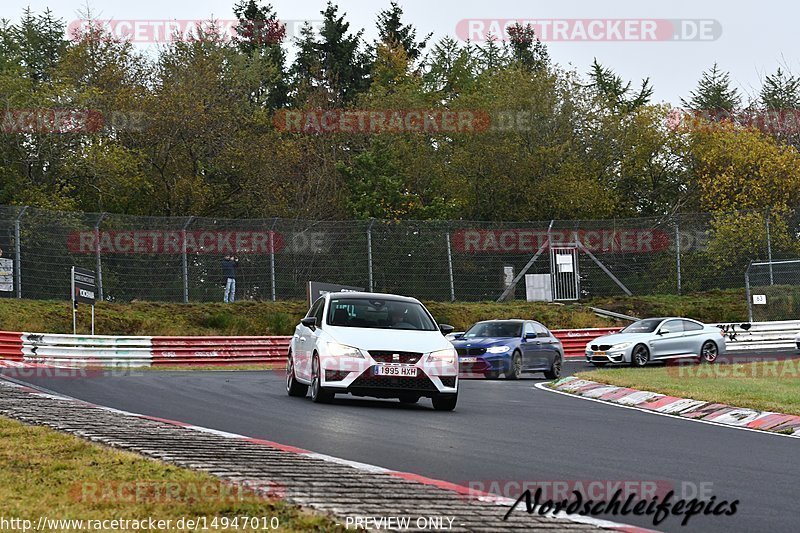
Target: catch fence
[{"x": 179, "y": 259}]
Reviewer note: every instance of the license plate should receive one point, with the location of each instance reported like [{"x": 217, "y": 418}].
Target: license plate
[
  {"x": 404, "y": 371},
  {"x": 468, "y": 359},
  {"x": 599, "y": 353}
]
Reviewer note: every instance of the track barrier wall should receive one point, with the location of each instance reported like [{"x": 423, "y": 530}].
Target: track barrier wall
[{"x": 101, "y": 350}]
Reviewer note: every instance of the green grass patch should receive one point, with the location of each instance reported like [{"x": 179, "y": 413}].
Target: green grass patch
[
  {"x": 767, "y": 386},
  {"x": 713, "y": 306},
  {"x": 46, "y": 473},
  {"x": 280, "y": 318}
]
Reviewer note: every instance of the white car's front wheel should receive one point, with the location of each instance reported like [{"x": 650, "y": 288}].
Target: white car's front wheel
[
  {"x": 445, "y": 402},
  {"x": 318, "y": 393},
  {"x": 294, "y": 387}
]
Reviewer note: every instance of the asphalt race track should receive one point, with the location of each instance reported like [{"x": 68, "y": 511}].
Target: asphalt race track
[{"x": 501, "y": 431}]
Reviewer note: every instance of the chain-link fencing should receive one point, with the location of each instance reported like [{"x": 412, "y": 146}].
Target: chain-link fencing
[{"x": 179, "y": 259}]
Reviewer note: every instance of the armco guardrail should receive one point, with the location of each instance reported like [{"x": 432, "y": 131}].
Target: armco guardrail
[
  {"x": 761, "y": 335},
  {"x": 61, "y": 349},
  {"x": 218, "y": 350},
  {"x": 574, "y": 340},
  {"x": 10, "y": 346}
]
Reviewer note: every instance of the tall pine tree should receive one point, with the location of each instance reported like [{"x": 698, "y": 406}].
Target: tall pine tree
[
  {"x": 392, "y": 32},
  {"x": 781, "y": 91},
  {"x": 714, "y": 94},
  {"x": 259, "y": 35},
  {"x": 618, "y": 93}
]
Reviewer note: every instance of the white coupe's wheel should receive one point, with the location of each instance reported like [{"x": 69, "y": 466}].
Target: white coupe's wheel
[
  {"x": 640, "y": 356},
  {"x": 709, "y": 352}
]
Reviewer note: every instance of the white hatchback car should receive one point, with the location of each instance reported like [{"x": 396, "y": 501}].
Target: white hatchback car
[{"x": 370, "y": 344}]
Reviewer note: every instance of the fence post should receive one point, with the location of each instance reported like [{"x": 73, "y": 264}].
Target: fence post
[
  {"x": 272, "y": 258},
  {"x": 747, "y": 293},
  {"x": 369, "y": 252},
  {"x": 99, "y": 264},
  {"x": 185, "y": 261},
  {"x": 769, "y": 252},
  {"x": 450, "y": 268},
  {"x": 18, "y": 251},
  {"x": 678, "y": 250}
]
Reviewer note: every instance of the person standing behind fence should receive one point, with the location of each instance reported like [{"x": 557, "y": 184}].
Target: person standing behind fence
[{"x": 229, "y": 264}]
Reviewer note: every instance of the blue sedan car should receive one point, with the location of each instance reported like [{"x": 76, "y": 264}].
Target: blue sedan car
[{"x": 509, "y": 347}]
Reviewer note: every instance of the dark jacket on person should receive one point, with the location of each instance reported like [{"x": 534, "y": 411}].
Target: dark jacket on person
[{"x": 229, "y": 268}]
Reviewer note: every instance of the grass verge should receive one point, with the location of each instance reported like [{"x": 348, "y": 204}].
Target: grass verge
[
  {"x": 250, "y": 317},
  {"x": 280, "y": 318},
  {"x": 46, "y": 473},
  {"x": 766, "y": 386}
]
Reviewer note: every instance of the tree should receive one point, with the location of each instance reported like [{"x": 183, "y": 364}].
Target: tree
[
  {"x": 392, "y": 31},
  {"x": 40, "y": 43},
  {"x": 615, "y": 91},
  {"x": 450, "y": 68},
  {"x": 780, "y": 92},
  {"x": 714, "y": 94},
  {"x": 334, "y": 62},
  {"x": 259, "y": 35},
  {"x": 740, "y": 174},
  {"x": 526, "y": 48}
]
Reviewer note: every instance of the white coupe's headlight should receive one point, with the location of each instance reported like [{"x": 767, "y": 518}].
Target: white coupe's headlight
[
  {"x": 446, "y": 356},
  {"x": 340, "y": 350},
  {"x": 621, "y": 346},
  {"x": 497, "y": 349}
]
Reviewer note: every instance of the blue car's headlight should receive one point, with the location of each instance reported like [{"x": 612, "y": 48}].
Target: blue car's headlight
[{"x": 498, "y": 349}]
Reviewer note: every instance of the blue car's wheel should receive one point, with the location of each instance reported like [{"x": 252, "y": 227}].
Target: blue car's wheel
[{"x": 516, "y": 366}]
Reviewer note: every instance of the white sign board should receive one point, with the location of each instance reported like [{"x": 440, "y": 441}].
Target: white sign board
[
  {"x": 6, "y": 274},
  {"x": 760, "y": 299}
]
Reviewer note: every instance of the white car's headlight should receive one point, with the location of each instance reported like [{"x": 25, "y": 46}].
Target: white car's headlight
[
  {"x": 340, "y": 350},
  {"x": 621, "y": 346},
  {"x": 497, "y": 349},
  {"x": 446, "y": 356}
]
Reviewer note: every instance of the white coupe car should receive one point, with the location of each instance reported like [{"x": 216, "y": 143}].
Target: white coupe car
[{"x": 370, "y": 344}]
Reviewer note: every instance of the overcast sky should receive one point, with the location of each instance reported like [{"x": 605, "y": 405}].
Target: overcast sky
[{"x": 749, "y": 39}]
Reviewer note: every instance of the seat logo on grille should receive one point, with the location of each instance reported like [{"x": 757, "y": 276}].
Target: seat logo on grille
[{"x": 395, "y": 357}]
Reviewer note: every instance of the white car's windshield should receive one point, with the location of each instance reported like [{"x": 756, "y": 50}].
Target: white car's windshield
[
  {"x": 379, "y": 313},
  {"x": 643, "y": 326},
  {"x": 494, "y": 329}
]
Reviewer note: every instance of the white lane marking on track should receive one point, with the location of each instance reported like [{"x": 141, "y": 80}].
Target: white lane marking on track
[{"x": 542, "y": 386}]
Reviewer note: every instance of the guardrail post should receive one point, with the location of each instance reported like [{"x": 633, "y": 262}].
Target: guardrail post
[
  {"x": 185, "y": 261},
  {"x": 369, "y": 252},
  {"x": 450, "y": 268},
  {"x": 99, "y": 264},
  {"x": 18, "y": 251},
  {"x": 272, "y": 258},
  {"x": 747, "y": 293}
]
